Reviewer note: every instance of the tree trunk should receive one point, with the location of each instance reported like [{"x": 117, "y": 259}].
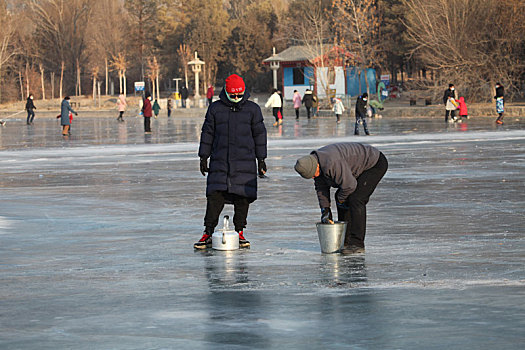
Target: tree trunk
[
  {"x": 186, "y": 76},
  {"x": 79, "y": 88},
  {"x": 124, "y": 79},
  {"x": 42, "y": 81},
  {"x": 98, "y": 90},
  {"x": 94, "y": 89},
  {"x": 120, "y": 78},
  {"x": 27, "y": 79},
  {"x": 61, "y": 78},
  {"x": 52, "y": 85},
  {"x": 107, "y": 76},
  {"x": 21, "y": 84},
  {"x": 158, "y": 89}
]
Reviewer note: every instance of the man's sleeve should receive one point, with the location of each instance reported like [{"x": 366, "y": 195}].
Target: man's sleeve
[
  {"x": 259, "y": 134},
  {"x": 207, "y": 135},
  {"x": 322, "y": 188}
]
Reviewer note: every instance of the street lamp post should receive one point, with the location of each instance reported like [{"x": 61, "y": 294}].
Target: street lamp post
[
  {"x": 196, "y": 67},
  {"x": 274, "y": 66}
]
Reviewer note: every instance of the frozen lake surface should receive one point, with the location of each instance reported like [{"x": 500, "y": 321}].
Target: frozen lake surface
[{"x": 96, "y": 235}]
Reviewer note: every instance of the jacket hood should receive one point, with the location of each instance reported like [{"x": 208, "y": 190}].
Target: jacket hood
[
  {"x": 224, "y": 99},
  {"x": 308, "y": 92}
]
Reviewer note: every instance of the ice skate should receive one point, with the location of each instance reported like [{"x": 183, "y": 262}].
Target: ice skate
[
  {"x": 243, "y": 242},
  {"x": 204, "y": 242}
]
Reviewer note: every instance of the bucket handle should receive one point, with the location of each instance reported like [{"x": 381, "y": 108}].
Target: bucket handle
[{"x": 223, "y": 238}]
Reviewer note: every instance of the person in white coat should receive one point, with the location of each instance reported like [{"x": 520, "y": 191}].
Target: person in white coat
[
  {"x": 338, "y": 108},
  {"x": 275, "y": 103}
]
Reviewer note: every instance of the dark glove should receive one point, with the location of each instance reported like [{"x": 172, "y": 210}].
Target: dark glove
[
  {"x": 261, "y": 167},
  {"x": 76, "y": 113},
  {"x": 326, "y": 216},
  {"x": 342, "y": 205},
  {"x": 204, "y": 166}
]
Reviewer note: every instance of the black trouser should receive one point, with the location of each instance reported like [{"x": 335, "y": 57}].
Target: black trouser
[
  {"x": 355, "y": 215},
  {"x": 275, "y": 111},
  {"x": 30, "y": 116},
  {"x": 147, "y": 124},
  {"x": 308, "y": 111},
  {"x": 297, "y": 113},
  {"x": 452, "y": 114},
  {"x": 215, "y": 204},
  {"x": 120, "y": 114}
]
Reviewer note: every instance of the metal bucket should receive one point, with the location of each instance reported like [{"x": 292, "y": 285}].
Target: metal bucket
[{"x": 331, "y": 236}]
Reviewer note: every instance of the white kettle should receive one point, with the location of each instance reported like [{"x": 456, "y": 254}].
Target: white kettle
[{"x": 225, "y": 239}]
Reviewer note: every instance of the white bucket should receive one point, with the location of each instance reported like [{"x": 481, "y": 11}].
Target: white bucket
[{"x": 331, "y": 236}]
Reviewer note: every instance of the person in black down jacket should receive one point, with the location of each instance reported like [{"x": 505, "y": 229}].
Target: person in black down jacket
[
  {"x": 360, "y": 113},
  {"x": 355, "y": 170},
  {"x": 233, "y": 137},
  {"x": 30, "y": 106}
]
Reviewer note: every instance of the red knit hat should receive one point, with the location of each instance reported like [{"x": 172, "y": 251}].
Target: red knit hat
[{"x": 235, "y": 84}]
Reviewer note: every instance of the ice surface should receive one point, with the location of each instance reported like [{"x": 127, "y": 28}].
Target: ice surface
[{"x": 96, "y": 236}]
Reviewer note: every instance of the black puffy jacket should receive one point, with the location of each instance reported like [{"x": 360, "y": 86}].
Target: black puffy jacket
[{"x": 233, "y": 136}]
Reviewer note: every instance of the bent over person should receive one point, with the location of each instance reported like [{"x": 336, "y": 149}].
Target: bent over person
[
  {"x": 233, "y": 137},
  {"x": 355, "y": 170}
]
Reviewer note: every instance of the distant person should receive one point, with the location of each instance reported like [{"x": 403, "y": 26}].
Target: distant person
[
  {"x": 65, "y": 118},
  {"x": 308, "y": 101},
  {"x": 156, "y": 108},
  {"x": 184, "y": 94},
  {"x": 449, "y": 100},
  {"x": 338, "y": 109},
  {"x": 315, "y": 105},
  {"x": 360, "y": 113},
  {"x": 121, "y": 105},
  {"x": 281, "y": 110},
  {"x": 500, "y": 102},
  {"x": 209, "y": 94},
  {"x": 463, "y": 110},
  {"x": 169, "y": 106},
  {"x": 147, "y": 113},
  {"x": 275, "y": 103},
  {"x": 236, "y": 158},
  {"x": 297, "y": 102},
  {"x": 353, "y": 168},
  {"x": 30, "y": 107}
]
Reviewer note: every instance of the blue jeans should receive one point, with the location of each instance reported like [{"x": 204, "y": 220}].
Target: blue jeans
[{"x": 359, "y": 116}]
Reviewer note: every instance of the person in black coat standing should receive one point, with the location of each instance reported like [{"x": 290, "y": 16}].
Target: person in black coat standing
[
  {"x": 360, "y": 113},
  {"x": 30, "y": 109},
  {"x": 233, "y": 137},
  {"x": 184, "y": 94},
  {"x": 308, "y": 101}
]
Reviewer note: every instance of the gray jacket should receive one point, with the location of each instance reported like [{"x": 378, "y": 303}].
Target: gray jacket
[
  {"x": 340, "y": 165},
  {"x": 65, "y": 108}
]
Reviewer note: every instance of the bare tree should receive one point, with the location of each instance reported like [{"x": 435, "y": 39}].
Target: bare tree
[
  {"x": 184, "y": 53},
  {"x": 7, "y": 49},
  {"x": 120, "y": 64},
  {"x": 312, "y": 30},
  {"x": 357, "y": 28},
  {"x": 473, "y": 43}
]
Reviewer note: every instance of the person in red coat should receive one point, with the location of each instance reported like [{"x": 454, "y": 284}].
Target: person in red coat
[
  {"x": 148, "y": 113},
  {"x": 209, "y": 94},
  {"x": 463, "y": 112}
]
